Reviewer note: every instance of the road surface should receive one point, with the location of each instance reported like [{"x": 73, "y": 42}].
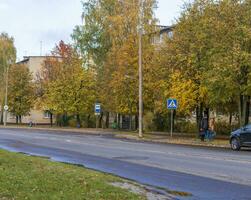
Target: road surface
[{"x": 206, "y": 173}]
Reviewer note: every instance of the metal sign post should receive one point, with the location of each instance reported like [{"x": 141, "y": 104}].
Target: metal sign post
[
  {"x": 96, "y": 121},
  {"x": 6, "y": 108},
  {"x": 172, "y": 104},
  {"x": 171, "y": 123},
  {"x": 97, "y": 110}
]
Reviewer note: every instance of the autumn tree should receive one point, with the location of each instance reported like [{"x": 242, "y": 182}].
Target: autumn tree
[
  {"x": 7, "y": 57},
  {"x": 189, "y": 52},
  {"x": 232, "y": 57},
  {"x": 204, "y": 64},
  {"x": 116, "y": 38},
  {"x": 211, "y": 49},
  {"x": 67, "y": 87},
  {"x": 21, "y": 91}
]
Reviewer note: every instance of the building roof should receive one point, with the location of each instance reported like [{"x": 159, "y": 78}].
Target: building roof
[
  {"x": 164, "y": 29},
  {"x": 27, "y": 58}
]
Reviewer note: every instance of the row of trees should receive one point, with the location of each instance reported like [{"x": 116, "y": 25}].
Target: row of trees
[
  {"x": 210, "y": 57},
  {"x": 108, "y": 42},
  {"x": 206, "y": 64},
  {"x": 63, "y": 86}
]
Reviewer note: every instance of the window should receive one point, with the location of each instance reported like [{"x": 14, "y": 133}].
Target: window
[
  {"x": 170, "y": 34},
  {"x": 47, "y": 114}
]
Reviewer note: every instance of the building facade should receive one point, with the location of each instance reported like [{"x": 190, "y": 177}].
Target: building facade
[{"x": 162, "y": 33}]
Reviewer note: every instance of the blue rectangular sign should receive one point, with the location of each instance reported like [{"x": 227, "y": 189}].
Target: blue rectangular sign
[
  {"x": 97, "y": 109},
  {"x": 172, "y": 104}
]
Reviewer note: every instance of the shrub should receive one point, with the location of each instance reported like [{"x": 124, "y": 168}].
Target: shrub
[
  {"x": 224, "y": 128},
  {"x": 72, "y": 122},
  {"x": 88, "y": 121},
  {"x": 148, "y": 123},
  {"x": 185, "y": 127},
  {"x": 161, "y": 122}
]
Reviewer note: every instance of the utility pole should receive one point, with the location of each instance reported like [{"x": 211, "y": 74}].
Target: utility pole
[
  {"x": 6, "y": 94},
  {"x": 140, "y": 71}
]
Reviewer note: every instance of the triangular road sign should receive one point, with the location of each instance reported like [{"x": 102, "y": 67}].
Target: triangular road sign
[{"x": 172, "y": 104}]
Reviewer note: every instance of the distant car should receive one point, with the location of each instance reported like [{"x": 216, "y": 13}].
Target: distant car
[{"x": 241, "y": 138}]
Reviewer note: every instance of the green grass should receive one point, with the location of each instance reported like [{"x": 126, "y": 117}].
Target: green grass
[{"x": 27, "y": 177}]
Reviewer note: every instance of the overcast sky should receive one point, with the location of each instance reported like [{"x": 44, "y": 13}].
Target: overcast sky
[{"x": 49, "y": 21}]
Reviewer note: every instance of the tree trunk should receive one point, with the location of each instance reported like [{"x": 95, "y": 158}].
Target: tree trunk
[
  {"x": 78, "y": 121},
  {"x": 20, "y": 119},
  {"x": 230, "y": 118},
  {"x": 244, "y": 107},
  {"x": 247, "y": 110},
  {"x": 130, "y": 118},
  {"x": 58, "y": 122},
  {"x": 130, "y": 122},
  {"x": 64, "y": 119},
  {"x": 16, "y": 119},
  {"x": 88, "y": 121},
  {"x": 208, "y": 115},
  {"x": 100, "y": 120},
  {"x": 51, "y": 119},
  {"x": 199, "y": 115},
  {"x": 118, "y": 121},
  {"x": 240, "y": 110},
  {"x": 107, "y": 120},
  {"x": 1, "y": 122},
  {"x": 244, "y": 110},
  {"x": 136, "y": 122}
]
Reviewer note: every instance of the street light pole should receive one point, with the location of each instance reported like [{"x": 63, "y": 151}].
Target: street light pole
[
  {"x": 140, "y": 72},
  {"x": 6, "y": 94}
]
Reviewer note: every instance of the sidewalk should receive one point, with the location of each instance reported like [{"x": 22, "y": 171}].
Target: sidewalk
[{"x": 163, "y": 138}]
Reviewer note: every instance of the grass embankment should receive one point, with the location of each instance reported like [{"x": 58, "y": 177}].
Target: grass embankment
[{"x": 27, "y": 177}]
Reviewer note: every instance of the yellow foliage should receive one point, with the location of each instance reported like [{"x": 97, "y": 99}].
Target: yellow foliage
[{"x": 184, "y": 90}]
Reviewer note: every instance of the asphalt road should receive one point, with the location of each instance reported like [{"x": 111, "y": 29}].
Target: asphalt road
[{"x": 206, "y": 173}]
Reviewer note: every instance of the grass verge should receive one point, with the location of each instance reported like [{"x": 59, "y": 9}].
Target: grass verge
[{"x": 27, "y": 177}]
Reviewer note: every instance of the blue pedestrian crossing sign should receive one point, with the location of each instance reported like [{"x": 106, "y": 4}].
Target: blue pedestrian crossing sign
[
  {"x": 97, "y": 108},
  {"x": 172, "y": 104}
]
